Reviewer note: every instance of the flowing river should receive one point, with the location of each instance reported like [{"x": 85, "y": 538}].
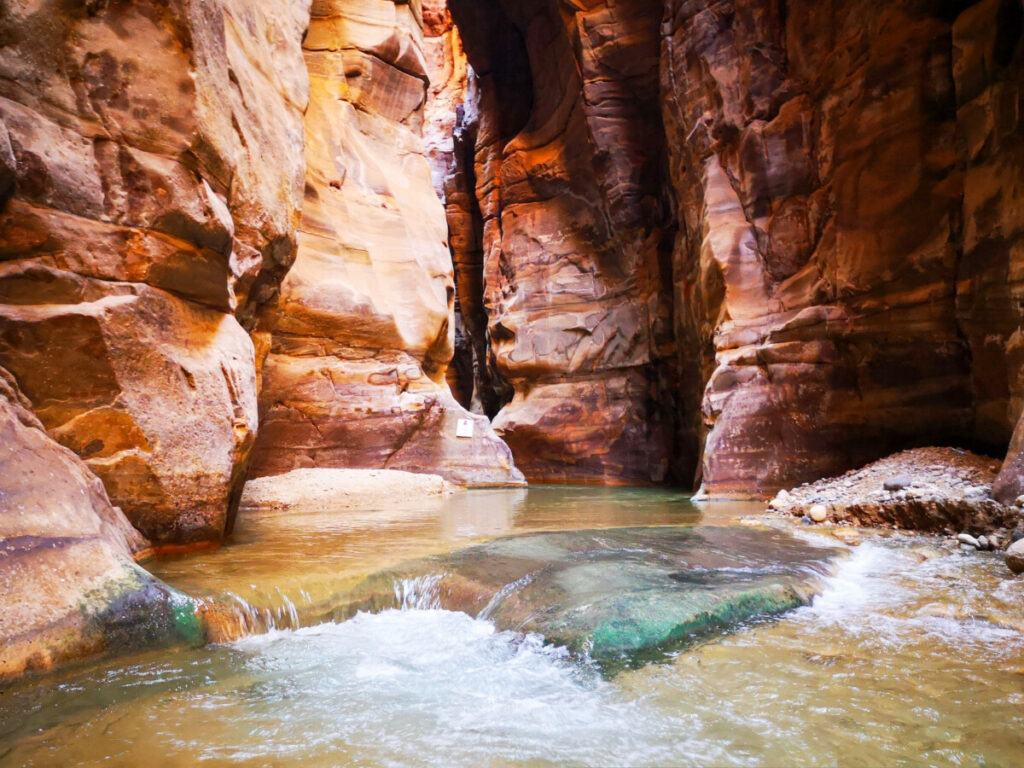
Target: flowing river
[{"x": 910, "y": 654}]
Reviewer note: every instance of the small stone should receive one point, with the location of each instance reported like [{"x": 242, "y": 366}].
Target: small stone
[
  {"x": 1020, "y": 501},
  {"x": 806, "y": 520},
  {"x": 818, "y": 513},
  {"x": 966, "y": 538},
  {"x": 897, "y": 483},
  {"x": 1016, "y": 536},
  {"x": 994, "y": 542},
  {"x": 967, "y": 548},
  {"x": 983, "y": 543},
  {"x": 782, "y": 495},
  {"x": 1015, "y": 557}
]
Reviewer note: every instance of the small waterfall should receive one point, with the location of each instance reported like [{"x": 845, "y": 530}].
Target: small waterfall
[
  {"x": 232, "y": 617},
  {"x": 422, "y": 593},
  {"x": 501, "y": 594}
]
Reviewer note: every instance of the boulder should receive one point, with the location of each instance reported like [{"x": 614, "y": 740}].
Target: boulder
[
  {"x": 1015, "y": 557},
  {"x": 69, "y": 586}
]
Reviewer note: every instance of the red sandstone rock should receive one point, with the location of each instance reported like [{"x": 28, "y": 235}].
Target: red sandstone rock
[
  {"x": 564, "y": 254},
  {"x": 364, "y": 331},
  {"x": 156, "y": 154},
  {"x": 819, "y": 192},
  {"x": 68, "y": 586}
]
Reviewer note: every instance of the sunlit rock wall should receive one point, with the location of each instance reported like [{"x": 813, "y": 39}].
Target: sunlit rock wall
[
  {"x": 364, "y": 331},
  {"x": 152, "y": 167},
  {"x": 783, "y": 235}
]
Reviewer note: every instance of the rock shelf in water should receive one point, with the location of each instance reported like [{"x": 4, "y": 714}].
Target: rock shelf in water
[{"x": 623, "y": 595}]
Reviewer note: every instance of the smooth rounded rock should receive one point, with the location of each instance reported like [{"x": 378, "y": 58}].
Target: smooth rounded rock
[
  {"x": 818, "y": 513},
  {"x": 1015, "y": 557},
  {"x": 966, "y": 538}
]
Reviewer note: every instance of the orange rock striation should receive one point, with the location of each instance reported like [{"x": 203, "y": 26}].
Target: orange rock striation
[
  {"x": 152, "y": 159},
  {"x": 363, "y": 332}
]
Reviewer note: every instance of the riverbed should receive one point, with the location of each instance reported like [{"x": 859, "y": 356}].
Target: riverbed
[{"x": 912, "y": 653}]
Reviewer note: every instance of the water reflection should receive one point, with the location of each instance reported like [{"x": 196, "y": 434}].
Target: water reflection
[{"x": 305, "y": 557}]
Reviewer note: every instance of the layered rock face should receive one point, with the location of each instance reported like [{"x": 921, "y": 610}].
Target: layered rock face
[
  {"x": 363, "y": 331},
  {"x": 843, "y": 186},
  {"x": 557, "y": 228},
  {"x": 152, "y": 157},
  {"x": 68, "y": 585},
  {"x": 838, "y": 239},
  {"x": 988, "y": 66},
  {"x": 818, "y": 185}
]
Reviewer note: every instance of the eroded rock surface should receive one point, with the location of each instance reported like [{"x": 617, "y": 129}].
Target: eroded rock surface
[
  {"x": 68, "y": 584},
  {"x": 363, "y": 333},
  {"x": 557, "y": 231},
  {"x": 152, "y": 156},
  {"x": 842, "y": 185}
]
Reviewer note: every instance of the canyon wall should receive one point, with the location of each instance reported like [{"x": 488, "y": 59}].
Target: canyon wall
[
  {"x": 829, "y": 193},
  {"x": 152, "y": 170},
  {"x": 363, "y": 330},
  {"x": 845, "y": 227},
  {"x": 559, "y": 235}
]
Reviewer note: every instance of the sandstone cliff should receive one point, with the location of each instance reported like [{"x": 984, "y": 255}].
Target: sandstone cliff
[
  {"x": 563, "y": 246},
  {"x": 363, "y": 332},
  {"x": 842, "y": 184},
  {"x": 152, "y": 157}
]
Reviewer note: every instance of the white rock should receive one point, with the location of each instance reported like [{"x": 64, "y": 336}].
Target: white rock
[
  {"x": 966, "y": 538},
  {"x": 818, "y": 513}
]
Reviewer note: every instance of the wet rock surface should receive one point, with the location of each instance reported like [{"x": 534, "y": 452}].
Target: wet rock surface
[
  {"x": 620, "y": 596},
  {"x": 940, "y": 490},
  {"x": 69, "y": 588}
]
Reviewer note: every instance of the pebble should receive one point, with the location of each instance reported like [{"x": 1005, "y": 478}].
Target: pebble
[
  {"x": 1020, "y": 501},
  {"x": 897, "y": 483},
  {"x": 1016, "y": 536},
  {"x": 818, "y": 513},
  {"x": 966, "y": 538},
  {"x": 806, "y": 520},
  {"x": 965, "y": 548},
  {"x": 1015, "y": 557},
  {"x": 983, "y": 543}
]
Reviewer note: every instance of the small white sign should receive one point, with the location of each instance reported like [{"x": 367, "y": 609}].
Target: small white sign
[{"x": 465, "y": 428}]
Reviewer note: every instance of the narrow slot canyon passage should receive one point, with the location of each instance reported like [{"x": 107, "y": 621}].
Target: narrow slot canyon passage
[{"x": 526, "y": 382}]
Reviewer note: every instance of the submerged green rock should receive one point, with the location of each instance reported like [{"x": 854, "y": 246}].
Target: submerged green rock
[{"x": 618, "y": 596}]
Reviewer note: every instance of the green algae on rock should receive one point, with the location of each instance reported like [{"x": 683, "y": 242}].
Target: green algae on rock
[
  {"x": 621, "y": 596},
  {"x": 68, "y": 584}
]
